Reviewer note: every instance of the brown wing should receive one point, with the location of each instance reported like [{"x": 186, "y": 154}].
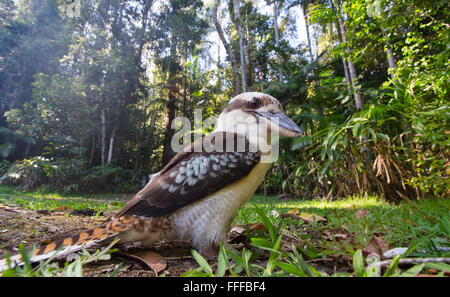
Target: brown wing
[{"x": 193, "y": 174}]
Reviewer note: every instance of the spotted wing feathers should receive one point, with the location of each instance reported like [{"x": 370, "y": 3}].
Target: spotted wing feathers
[{"x": 193, "y": 175}]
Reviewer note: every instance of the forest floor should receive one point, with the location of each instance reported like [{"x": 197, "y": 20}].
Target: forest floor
[{"x": 326, "y": 233}]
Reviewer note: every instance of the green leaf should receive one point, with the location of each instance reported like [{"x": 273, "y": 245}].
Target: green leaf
[
  {"x": 358, "y": 263},
  {"x": 9, "y": 273},
  {"x": 301, "y": 142},
  {"x": 413, "y": 271},
  {"x": 194, "y": 273},
  {"x": 245, "y": 261},
  {"x": 116, "y": 271},
  {"x": 26, "y": 256},
  {"x": 310, "y": 271},
  {"x": 223, "y": 254},
  {"x": 265, "y": 220},
  {"x": 221, "y": 262},
  {"x": 261, "y": 242},
  {"x": 273, "y": 258},
  {"x": 202, "y": 262},
  {"x": 292, "y": 269},
  {"x": 392, "y": 266},
  {"x": 439, "y": 266},
  {"x": 239, "y": 265}
]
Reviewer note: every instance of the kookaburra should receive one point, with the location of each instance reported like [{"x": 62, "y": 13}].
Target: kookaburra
[{"x": 195, "y": 197}]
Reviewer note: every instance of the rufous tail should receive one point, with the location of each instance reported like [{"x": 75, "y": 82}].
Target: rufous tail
[{"x": 99, "y": 235}]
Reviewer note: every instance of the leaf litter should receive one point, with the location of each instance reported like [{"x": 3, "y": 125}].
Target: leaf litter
[{"x": 36, "y": 227}]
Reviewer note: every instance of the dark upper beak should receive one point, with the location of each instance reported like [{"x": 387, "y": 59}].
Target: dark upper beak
[{"x": 287, "y": 127}]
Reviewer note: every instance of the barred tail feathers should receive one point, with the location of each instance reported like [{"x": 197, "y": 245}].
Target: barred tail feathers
[{"x": 101, "y": 234}]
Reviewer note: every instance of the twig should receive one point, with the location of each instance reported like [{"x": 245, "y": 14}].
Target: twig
[
  {"x": 178, "y": 258},
  {"x": 320, "y": 260},
  {"x": 414, "y": 260},
  {"x": 290, "y": 236}
]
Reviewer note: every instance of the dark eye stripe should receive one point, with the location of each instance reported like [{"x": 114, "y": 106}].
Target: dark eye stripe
[{"x": 255, "y": 103}]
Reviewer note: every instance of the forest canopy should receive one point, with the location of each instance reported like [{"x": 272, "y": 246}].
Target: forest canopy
[{"x": 89, "y": 89}]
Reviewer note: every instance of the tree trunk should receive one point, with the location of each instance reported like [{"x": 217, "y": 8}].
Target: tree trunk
[
  {"x": 347, "y": 77},
  {"x": 147, "y": 5},
  {"x": 185, "y": 83},
  {"x": 169, "y": 132},
  {"x": 91, "y": 157},
  {"x": 344, "y": 63},
  {"x": 111, "y": 144},
  {"x": 171, "y": 105},
  {"x": 277, "y": 37},
  {"x": 303, "y": 4},
  {"x": 103, "y": 126},
  {"x": 391, "y": 59},
  {"x": 234, "y": 65},
  {"x": 249, "y": 64},
  {"x": 237, "y": 18},
  {"x": 351, "y": 66}
]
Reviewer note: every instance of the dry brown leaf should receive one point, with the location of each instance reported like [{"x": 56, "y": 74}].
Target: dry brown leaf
[
  {"x": 239, "y": 230},
  {"x": 242, "y": 229},
  {"x": 370, "y": 249},
  {"x": 153, "y": 260},
  {"x": 311, "y": 217},
  {"x": 294, "y": 211},
  {"x": 361, "y": 213},
  {"x": 11, "y": 209},
  {"x": 340, "y": 236},
  {"x": 257, "y": 226},
  {"x": 376, "y": 245},
  {"x": 307, "y": 217},
  {"x": 290, "y": 215},
  {"x": 381, "y": 243}
]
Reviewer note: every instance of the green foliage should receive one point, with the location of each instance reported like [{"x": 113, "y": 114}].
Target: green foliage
[
  {"x": 47, "y": 199},
  {"x": 115, "y": 76},
  {"x": 397, "y": 145},
  {"x": 4, "y": 165},
  {"x": 67, "y": 175},
  {"x": 286, "y": 259}
]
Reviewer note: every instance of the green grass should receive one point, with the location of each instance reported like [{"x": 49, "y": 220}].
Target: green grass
[
  {"x": 423, "y": 225},
  {"x": 426, "y": 221},
  {"x": 44, "y": 200},
  {"x": 399, "y": 225}
]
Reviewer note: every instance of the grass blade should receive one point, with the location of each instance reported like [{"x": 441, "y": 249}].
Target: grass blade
[{"x": 202, "y": 262}]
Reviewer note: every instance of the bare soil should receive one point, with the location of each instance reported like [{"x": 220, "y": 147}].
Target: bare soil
[{"x": 40, "y": 227}]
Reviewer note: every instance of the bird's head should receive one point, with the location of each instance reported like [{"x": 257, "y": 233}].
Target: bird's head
[{"x": 252, "y": 111}]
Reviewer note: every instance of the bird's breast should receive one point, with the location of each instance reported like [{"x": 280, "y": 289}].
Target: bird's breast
[{"x": 208, "y": 220}]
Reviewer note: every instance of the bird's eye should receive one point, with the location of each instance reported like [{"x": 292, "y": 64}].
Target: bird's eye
[{"x": 254, "y": 103}]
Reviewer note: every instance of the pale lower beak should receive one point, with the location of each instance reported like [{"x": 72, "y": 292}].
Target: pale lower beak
[{"x": 286, "y": 126}]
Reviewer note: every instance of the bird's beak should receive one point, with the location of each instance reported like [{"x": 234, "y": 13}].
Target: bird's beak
[{"x": 286, "y": 126}]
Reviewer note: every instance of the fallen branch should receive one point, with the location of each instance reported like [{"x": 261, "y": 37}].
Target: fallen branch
[{"x": 411, "y": 261}]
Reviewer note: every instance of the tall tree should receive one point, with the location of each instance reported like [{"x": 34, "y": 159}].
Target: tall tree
[
  {"x": 226, "y": 44},
  {"x": 304, "y": 4},
  {"x": 351, "y": 66},
  {"x": 180, "y": 29},
  {"x": 242, "y": 48},
  {"x": 277, "y": 37},
  {"x": 344, "y": 63},
  {"x": 304, "y": 7}
]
